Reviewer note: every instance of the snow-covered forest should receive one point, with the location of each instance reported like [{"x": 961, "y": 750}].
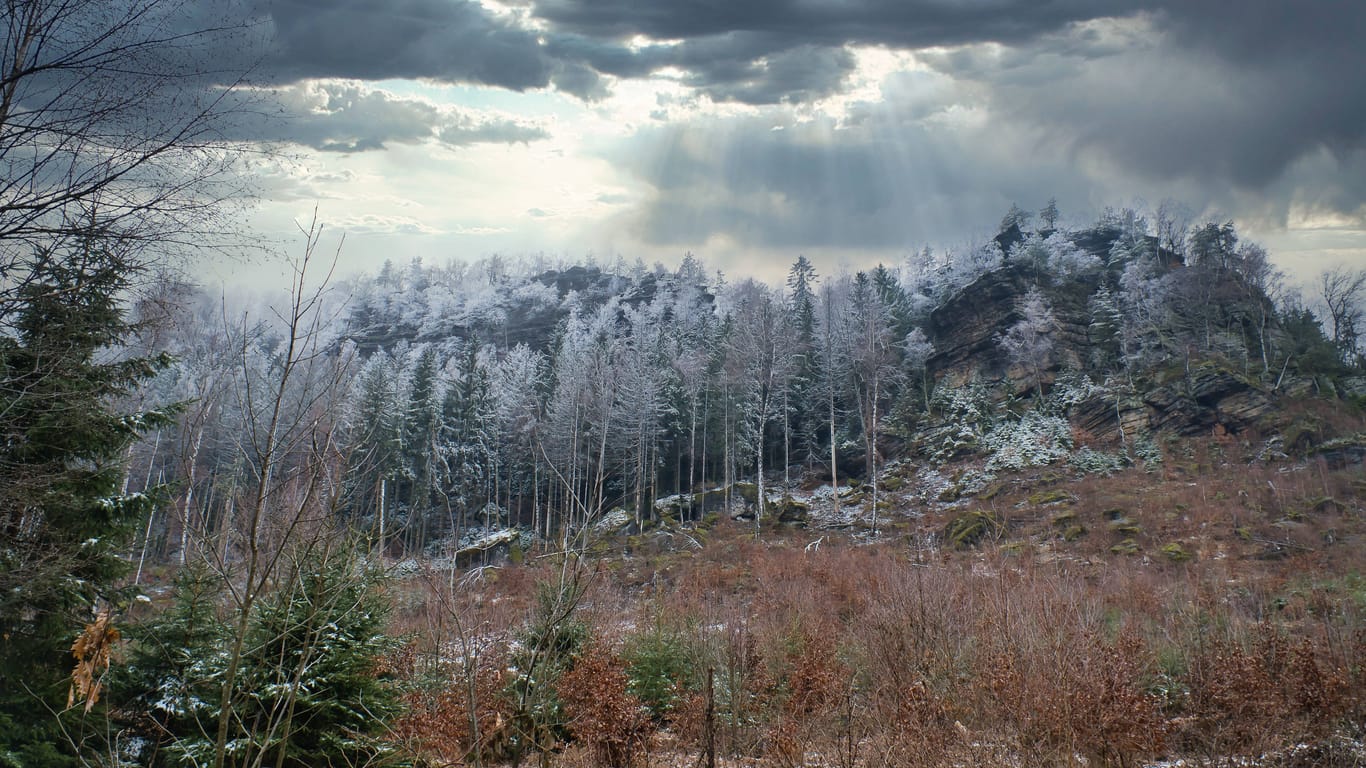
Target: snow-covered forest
[{"x": 469, "y": 398}]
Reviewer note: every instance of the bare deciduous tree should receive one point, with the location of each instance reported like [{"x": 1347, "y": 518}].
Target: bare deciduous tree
[
  {"x": 1343, "y": 292},
  {"x": 111, "y": 126}
]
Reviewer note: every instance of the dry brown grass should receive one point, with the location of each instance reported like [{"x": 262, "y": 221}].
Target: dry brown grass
[{"x": 1030, "y": 649}]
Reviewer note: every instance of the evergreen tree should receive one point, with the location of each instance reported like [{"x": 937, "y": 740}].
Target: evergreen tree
[
  {"x": 805, "y": 407},
  {"x": 377, "y": 431},
  {"x": 465, "y": 442},
  {"x": 420, "y": 425},
  {"x": 1049, "y": 215},
  {"x": 167, "y": 685},
  {"x": 309, "y": 690},
  {"x": 63, "y": 520}
]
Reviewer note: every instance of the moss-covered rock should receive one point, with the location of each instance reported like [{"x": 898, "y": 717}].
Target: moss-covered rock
[
  {"x": 612, "y": 522},
  {"x": 1125, "y": 547},
  {"x": 1125, "y": 527},
  {"x": 991, "y": 491},
  {"x": 790, "y": 510},
  {"x": 1052, "y": 496},
  {"x": 1343, "y": 451},
  {"x": 1301, "y": 435},
  {"x": 747, "y": 491},
  {"x": 969, "y": 528},
  {"x": 1175, "y": 552},
  {"x": 1073, "y": 532}
]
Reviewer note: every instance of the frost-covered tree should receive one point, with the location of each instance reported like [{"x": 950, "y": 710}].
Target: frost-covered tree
[
  {"x": 420, "y": 427},
  {"x": 642, "y": 399},
  {"x": 918, "y": 349},
  {"x": 876, "y": 366},
  {"x": 376, "y": 435},
  {"x": 1030, "y": 341},
  {"x": 1016, "y": 218},
  {"x": 1048, "y": 217},
  {"x": 581, "y": 413},
  {"x": 513, "y": 380},
  {"x": 753, "y": 373},
  {"x": 467, "y": 444}
]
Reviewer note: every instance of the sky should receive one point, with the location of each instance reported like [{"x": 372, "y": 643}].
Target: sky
[{"x": 750, "y": 131}]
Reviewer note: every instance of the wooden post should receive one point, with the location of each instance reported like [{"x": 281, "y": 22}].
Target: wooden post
[{"x": 711, "y": 719}]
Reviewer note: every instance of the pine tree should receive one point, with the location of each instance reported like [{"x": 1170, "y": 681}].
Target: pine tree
[
  {"x": 166, "y": 687},
  {"x": 63, "y": 520},
  {"x": 464, "y": 440},
  {"x": 1049, "y": 215}
]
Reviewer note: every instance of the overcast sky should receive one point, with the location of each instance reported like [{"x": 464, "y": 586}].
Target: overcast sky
[{"x": 852, "y": 131}]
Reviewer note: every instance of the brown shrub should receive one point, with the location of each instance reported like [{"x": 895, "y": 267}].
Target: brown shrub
[
  {"x": 1255, "y": 698},
  {"x": 437, "y": 726},
  {"x": 602, "y": 715},
  {"x": 1077, "y": 695}
]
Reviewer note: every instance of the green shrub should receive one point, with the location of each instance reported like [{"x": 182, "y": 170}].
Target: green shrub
[{"x": 659, "y": 669}]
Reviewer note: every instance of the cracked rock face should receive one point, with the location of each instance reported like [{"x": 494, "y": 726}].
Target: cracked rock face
[{"x": 966, "y": 331}]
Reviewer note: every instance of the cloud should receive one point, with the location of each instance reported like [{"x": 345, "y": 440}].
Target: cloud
[
  {"x": 762, "y": 125},
  {"x": 348, "y": 116},
  {"x": 1100, "y": 113},
  {"x": 897, "y": 23},
  {"x": 1175, "y": 103},
  {"x": 777, "y": 51},
  {"x": 889, "y": 183},
  {"x": 372, "y": 223},
  {"x": 453, "y": 41}
]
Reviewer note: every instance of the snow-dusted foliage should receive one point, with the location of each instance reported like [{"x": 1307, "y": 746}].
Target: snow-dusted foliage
[
  {"x": 1091, "y": 461},
  {"x": 967, "y": 415},
  {"x": 930, "y": 278},
  {"x": 559, "y": 391},
  {"x": 1066, "y": 260},
  {"x": 1032, "y": 440},
  {"x": 1070, "y": 389}
]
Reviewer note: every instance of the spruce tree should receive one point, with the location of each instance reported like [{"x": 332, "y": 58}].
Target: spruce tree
[
  {"x": 310, "y": 689},
  {"x": 419, "y": 434},
  {"x": 64, "y": 521}
]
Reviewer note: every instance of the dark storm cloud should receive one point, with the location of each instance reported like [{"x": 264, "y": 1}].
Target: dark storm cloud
[
  {"x": 1254, "y": 106},
  {"x": 897, "y": 23},
  {"x": 1230, "y": 104},
  {"x": 744, "y": 67},
  {"x": 1234, "y": 93},
  {"x": 1247, "y": 114},
  {"x": 774, "y": 51},
  {"x": 445, "y": 40}
]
